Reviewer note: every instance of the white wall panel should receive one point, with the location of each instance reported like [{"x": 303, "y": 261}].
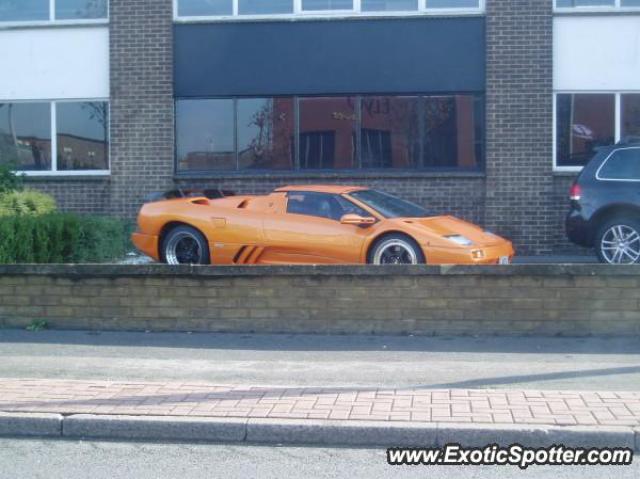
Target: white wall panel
[
  {"x": 596, "y": 52},
  {"x": 54, "y": 63}
]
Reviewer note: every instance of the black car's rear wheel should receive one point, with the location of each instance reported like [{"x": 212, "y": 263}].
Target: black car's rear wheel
[
  {"x": 618, "y": 241},
  {"x": 395, "y": 249},
  {"x": 185, "y": 245}
]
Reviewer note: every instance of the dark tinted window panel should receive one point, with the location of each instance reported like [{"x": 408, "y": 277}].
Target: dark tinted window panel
[
  {"x": 321, "y": 205},
  {"x": 80, "y": 9},
  {"x": 389, "y": 5},
  {"x": 453, "y": 132},
  {"x": 265, "y": 133},
  {"x": 312, "y": 5},
  {"x": 583, "y": 122},
  {"x": 630, "y": 116},
  {"x": 82, "y": 135},
  {"x": 327, "y": 132},
  {"x": 24, "y": 10},
  {"x": 453, "y": 4},
  {"x": 25, "y": 135},
  {"x": 197, "y": 8},
  {"x": 391, "y": 131},
  {"x": 623, "y": 164},
  {"x": 205, "y": 135},
  {"x": 263, "y": 7}
]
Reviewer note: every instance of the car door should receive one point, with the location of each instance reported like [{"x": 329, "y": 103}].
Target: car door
[{"x": 309, "y": 231}]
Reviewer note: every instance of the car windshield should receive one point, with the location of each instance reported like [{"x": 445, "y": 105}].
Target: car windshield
[{"x": 388, "y": 205}]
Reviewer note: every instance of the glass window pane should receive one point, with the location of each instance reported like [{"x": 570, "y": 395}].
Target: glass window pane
[
  {"x": 327, "y": 132},
  {"x": 25, "y": 135},
  {"x": 188, "y": 8},
  {"x": 312, "y": 5},
  {"x": 453, "y": 129},
  {"x": 389, "y": 5},
  {"x": 82, "y": 135},
  {"x": 78, "y": 9},
  {"x": 204, "y": 135},
  {"x": 583, "y": 122},
  {"x": 390, "y": 134},
  {"x": 623, "y": 164},
  {"x": 453, "y": 4},
  {"x": 630, "y": 116},
  {"x": 265, "y": 133},
  {"x": 630, "y": 3},
  {"x": 584, "y": 3},
  {"x": 23, "y": 10},
  {"x": 262, "y": 7}
]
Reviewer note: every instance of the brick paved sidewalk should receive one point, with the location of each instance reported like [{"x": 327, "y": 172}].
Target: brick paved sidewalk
[{"x": 417, "y": 405}]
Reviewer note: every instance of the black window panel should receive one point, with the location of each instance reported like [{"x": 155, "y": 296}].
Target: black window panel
[
  {"x": 630, "y": 104},
  {"x": 583, "y": 122},
  {"x": 265, "y": 133},
  {"x": 623, "y": 164},
  {"x": 327, "y": 132},
  {"x": 205, "y": 135},
  {"x": 25, "y": 135},
  {"x": 82, "y": 135}
]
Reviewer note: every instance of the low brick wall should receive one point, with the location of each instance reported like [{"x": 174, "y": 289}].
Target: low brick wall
[{"x": 571, "y": 300}]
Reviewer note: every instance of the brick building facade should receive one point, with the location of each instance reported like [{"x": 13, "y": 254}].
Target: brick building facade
[{"x": 164, "y": 68}]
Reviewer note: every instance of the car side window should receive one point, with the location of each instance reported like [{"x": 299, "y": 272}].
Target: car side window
[
  {"x": 622, "y": 164},
  {"x": 322, "y": 205}
]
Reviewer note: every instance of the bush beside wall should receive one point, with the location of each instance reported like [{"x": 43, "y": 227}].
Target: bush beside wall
[{"x": 61, "y": 238}]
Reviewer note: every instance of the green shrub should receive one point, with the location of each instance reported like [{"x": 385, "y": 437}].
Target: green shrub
[
  {"x": 9, "y": 181},
  {"x": 26, "y": 202},
  {"x": 62, "y": 238}
]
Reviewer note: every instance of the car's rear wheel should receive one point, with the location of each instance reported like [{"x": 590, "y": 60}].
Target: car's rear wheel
[
  {"x": 185, "y": 245},
  {"x": 395, "y": 249},
  {"x": 618, "y": 241}
]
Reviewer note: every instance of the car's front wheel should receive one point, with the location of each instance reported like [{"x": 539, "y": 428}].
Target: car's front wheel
[
  {"x": 185, "y": 245},
  {"x": 395, "y": 249},
  {"x": 618, "y": 241}
]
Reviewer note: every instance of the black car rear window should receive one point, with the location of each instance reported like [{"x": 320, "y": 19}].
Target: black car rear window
[{"x": 622, "y": 164}]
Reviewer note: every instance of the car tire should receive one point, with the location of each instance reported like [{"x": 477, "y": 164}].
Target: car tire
[
  {"x": 395, "y": 248},
  {"x": 185, "y": 245},
  {"x": 617, "y": 241}
]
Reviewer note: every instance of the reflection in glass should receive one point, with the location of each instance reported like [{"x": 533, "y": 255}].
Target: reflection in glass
[
  {"x": 262, "y": 7},
  {"x": 79, "y": 9},
  {"x": 630, "y": 104},
  {"x": 188, "y": 8},
  {"x": 389, "y": 5},
  {"x": 265, "y": 133},
  {"x": 25, "y": 135},
  {"x": 312, "y": 5},
  {"x": 390, "y": 133},
  {"x": 82, "y": 135},
  {"x": 584, "y": 3},
  {"x": 583, "y": 122},
  {"x": 327, "y": 132},
  {"x": 623, "y": 164},
  {"x": 453, "y": 4},
  {"x": 24, "y": 10},
  {"x": 204, "y": 135},
  {"x": 630, "y": 3}
]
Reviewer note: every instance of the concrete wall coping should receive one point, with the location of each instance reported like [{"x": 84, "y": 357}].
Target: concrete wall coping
[{"x": 199, "y": 271}]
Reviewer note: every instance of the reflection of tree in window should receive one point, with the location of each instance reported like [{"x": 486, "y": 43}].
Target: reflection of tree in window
[
  {"x": 25, "y": 135},
  {"x": 82, "y": 135}
]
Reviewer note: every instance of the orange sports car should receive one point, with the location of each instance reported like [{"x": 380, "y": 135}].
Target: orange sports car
[{"x": 310, "y": 224}]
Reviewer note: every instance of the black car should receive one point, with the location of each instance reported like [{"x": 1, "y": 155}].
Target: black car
[{"x": 605, "y": 204}]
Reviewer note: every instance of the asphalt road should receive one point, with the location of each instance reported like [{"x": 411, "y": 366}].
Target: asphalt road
[
  {"x": 42, "y": 459},
  {"x": 305, "y": 360}
]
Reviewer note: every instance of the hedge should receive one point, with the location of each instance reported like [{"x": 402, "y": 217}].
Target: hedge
[{"x": 62, "y": 238}]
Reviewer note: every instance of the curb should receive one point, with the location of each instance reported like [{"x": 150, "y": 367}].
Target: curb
[{"x": 310, "y": 431}]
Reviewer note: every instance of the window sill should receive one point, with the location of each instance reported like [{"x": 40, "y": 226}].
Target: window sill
[
  {"x": 595, "y": 11},
  {"x": 333, "y": 175},
  {"x": 54, "y": 24},
  {"x": 66, "y": 178}
]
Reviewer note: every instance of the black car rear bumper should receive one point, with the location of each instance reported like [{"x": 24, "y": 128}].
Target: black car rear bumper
[{"x": 578, "y": 230}]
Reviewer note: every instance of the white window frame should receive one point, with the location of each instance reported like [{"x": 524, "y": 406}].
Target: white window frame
[
  {"x": 617, "y": 118},
  {"x": 54, "y": 140},
  {"x": 356, "y": 11},
  {"x": 617, "y": 7},
  {"x": 52, "y": 21}
]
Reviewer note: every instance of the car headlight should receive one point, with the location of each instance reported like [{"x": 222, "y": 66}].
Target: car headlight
[{"x": 460, "y": 240}]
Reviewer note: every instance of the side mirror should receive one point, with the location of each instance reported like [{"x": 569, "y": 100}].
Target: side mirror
[{"x": 357, "y": 220}]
